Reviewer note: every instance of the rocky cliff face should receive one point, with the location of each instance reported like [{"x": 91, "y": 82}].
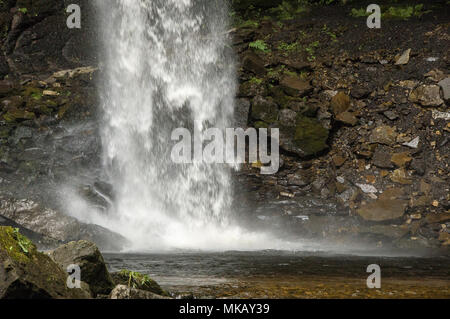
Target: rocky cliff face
[{"x": 363, "y": 114}]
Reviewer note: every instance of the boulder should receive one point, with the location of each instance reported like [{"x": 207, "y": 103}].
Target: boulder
[
  {"x": 57, "y": 226},
  {"x": 340, "y": 103},
  {"x": 87, "y": 256},
  {"x": 264, "y": 109},
  {"x": 137, "y": 280},
  {"x": 253, "y": 63},
  {"x": 124, "y": 292},
  {"x": 29, "y": 274}
]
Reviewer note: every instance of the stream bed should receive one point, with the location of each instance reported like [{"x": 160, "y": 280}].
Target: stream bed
[{"x": 281, "y": 274}]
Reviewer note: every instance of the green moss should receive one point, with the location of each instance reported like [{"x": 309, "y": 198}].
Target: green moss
[
  {"x": 17, "y": 246},
  {"x": 137, "y": 280},
  {"x": 255, "y": 80},
  {"x": 310, "y": 135}
]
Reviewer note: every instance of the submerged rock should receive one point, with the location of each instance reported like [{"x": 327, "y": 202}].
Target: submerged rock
[
  {"x": 87, "y": 256},
  {"x": 29, "y": 274}
]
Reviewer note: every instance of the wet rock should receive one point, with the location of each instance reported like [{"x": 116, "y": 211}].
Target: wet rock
[
  {"x": 138, "y": 281},
  {"x": 389, "y": 231},
  {"x": 433, "y": 218},
  {"x": 366, "y": 188},
  {"x": 242, "y": 112},
  {"x": 124, "y": 292},
  {"x": 445, "y": 86},
  {"x": 87, "y": 256},
  {"x": 29, "y": 274},
  {"x": 295, "y": 86},
  {"x": 307, "y": 137},
  {"x": 57, "y": 226},
  {"x": 426, "y": 95},
  {"x": 18, "y": 115},
  {"x": 6, "y": 88},
  {"x": 264, "y": 109},
  {"x": 253, "y": 63},
  {"x": 382, "y": 157},
  {"x": 300, "y": 178},
  {"x": 387, "y": 207},
  {"x": 401, "y": 159},
  {"x": 403, "y": 58},
  {"x": 384, "y": 135},
  {"x": 340, "y": 103}
]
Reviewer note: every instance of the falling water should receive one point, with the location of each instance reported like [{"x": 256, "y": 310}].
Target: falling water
[{"x": 167, "y": 64}]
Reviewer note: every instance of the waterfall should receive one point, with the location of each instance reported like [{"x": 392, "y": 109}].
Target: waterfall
[{"x": 166, "y": 64}]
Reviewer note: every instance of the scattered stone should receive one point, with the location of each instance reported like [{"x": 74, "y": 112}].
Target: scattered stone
[
  {"x": 399, "y": 176},
  {"x": 391, "y": 115},
  {"x": 50, "y": 93},
  {"x": 347, "y": 118},
  {"x": 440, "y": 115},
  {"x": 338, "y": 160},
  {"x": 124, "y": 292},
  {"x": 445, "y": 86},
  {"x": 437, "y": 218},
  {"x": 300, "y": 179},
  {"x": 286, "y": 194},
  {"x": 387, "y": 207},
  {"x": 414, "y": 143},
  {"x": 382, "y": 157},
  {"x": 264, "y": 109},
  {"x": 340, "y": 103},
  {"x": 426, "y": 95},
  {"x": 72, "y": 73},
  {"x": 401, "y": 159},
  {"x": 419, "y": 166},
  {"x": 295, "y": 86},
  {"x": 28, "y": 274},
  {"x": 384, "y": 135},
  {"x": 87, "y": 256},
  {"x": 366, "y": 188},
  {"x": 340, "y": 179},
  {"x": 403, "y": 58}
]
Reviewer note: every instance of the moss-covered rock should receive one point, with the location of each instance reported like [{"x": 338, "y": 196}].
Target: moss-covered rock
[
  {"x": 264, "y": 109},
  {"x": 139, "y": 281},
  {"x": 27, "y": 273},
  {"x": 308, "y": 137}
]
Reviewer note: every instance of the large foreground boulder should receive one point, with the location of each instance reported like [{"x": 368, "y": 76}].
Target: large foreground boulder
[
  {"x": 56, "y": 226},
  {"x": 93, "y": 268},
  {"x": 26, "y": 273},
  {"x": 124, "y": 292}
]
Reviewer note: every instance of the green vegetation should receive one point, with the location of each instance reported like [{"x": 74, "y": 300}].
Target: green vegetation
[
  {"x": 394, "y": 12},
  {"x": 259, "y": 45},
  {"x": 23, "y": 10},
  {"x": 139, "y": 281},
  {"x": 328, "y": 32},
  {"x": 311, "y": 49},
  {"x": 255, "y": 80},
  {"x": 288, "y": 10},
  {"x": 24, "y": 243},
  {"x": 289, "y": 48}
]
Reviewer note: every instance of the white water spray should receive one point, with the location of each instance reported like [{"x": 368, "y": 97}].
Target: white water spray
[{"x": 167, "y": 65}]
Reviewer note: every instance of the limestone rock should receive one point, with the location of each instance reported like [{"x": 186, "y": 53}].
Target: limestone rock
[{"x": 445, "y": 86}]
